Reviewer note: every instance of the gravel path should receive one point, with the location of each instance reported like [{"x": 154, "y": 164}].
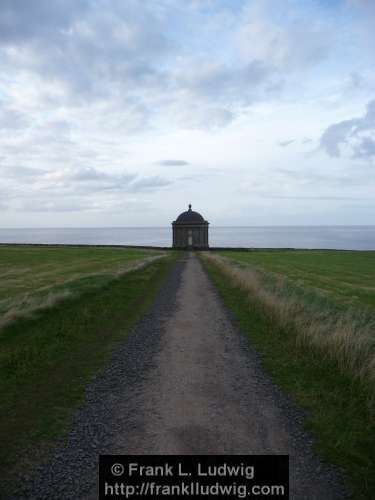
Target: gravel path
[{"x": 185, "y": 382}]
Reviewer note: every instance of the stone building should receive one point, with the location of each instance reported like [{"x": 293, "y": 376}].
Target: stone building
[{"x": 190, "y": 231}]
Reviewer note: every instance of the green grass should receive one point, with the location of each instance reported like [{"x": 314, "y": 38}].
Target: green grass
[
  {"x": 33, "y": 277},
  {"x": 346, "y": 276},
  {"x": 46, "y": 362},
  {"x": 340, "y": 414}
]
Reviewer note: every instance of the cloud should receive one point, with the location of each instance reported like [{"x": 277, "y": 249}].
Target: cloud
[
  {"x": 95, "y": 179},
  {"x": 294, "y": 44},
  {"x": 335, "y": 135},
  {"x": 367, "y": 5},
  {"x": 172, "y": 163},
  {"x": 17, "y": 172},
  {"x": 90, "y": 180},
  {"x": 356, "y": 81},
  {"x": 355, "y": 136},
  {"x": 197, "y": 114},
  {"x": 53, "y": 205},
  {"x": 21, "y": 21},
  {"x": 319, "y": 179},
  {"x": 76, "y": 189},
  {"x": 365, "y": 148},
  {"x": 94, "y": 93},
  {"x": 286, "y": 143},
  {"x": 312, "y": 197},
  {"x": 11, "y": 119},
  {"x": 81, "y": 53},
  {"x": 221, "y": 82},
  {"x": 149, "y": 184},
  {"x": 81, "y": 56}
]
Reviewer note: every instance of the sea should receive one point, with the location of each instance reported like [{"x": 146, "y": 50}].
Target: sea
[{"x": 299, "y": 237}]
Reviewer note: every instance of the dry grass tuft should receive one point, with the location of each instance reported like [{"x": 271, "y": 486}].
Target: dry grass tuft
[
  {"x": 347, "y": 336},
  {"x": 28, "y": 304},
  {"x": 138, "y": 265}
]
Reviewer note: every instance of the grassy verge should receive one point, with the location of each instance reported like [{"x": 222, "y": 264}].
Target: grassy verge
[
  {"x": 340, "y": 330},
  {"x": 339, "y": 405},
  {"x": 46, "y": 362}
]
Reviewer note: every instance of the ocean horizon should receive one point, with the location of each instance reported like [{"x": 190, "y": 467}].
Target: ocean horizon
[{"x": 299, "y": 237}]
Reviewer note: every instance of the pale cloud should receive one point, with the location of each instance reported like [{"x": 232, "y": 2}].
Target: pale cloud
[
  {"x": 286, "y": 143},
  {"x": 173, "y": 163},
  {"x": 12, "y": 120},
  {"x": 149, "y": 184},
  {"x": 224, "y": 84},
  {"x": 295, "y": 44},
  {"x": 53, "y": 205},
  {"x": 367, "y": 5},
  {"x": 73, "y": 189},
  {"x": 18, "y": 171},
  {"x": 90, "y": 180}
]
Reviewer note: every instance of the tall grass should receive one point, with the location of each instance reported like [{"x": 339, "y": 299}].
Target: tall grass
[{"x": 345, "y": 335}]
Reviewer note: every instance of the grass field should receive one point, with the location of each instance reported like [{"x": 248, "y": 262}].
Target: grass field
[
  {"x": 35, "y": 277},
  {"x": 347, "y": 276},
  {"x": 47, "y": 359},
  {"x": 310, "y": 315}
]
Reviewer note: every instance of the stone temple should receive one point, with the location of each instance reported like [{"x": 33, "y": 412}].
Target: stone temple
[{"x": 190, "y": 231}]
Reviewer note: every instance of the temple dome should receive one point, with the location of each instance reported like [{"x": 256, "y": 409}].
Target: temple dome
[{"x": 189, "y": 217}]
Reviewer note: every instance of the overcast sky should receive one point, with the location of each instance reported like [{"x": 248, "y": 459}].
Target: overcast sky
[{"x": 121, "y": 112}]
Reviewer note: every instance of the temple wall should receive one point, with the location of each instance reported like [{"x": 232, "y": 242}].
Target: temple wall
[{"x": 199, "y": 235}]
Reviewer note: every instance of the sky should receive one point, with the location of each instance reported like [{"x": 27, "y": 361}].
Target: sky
[{"x": 122, "y": 112}]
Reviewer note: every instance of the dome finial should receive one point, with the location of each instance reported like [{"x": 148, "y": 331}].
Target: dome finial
[{"x": 189, "y": 206}]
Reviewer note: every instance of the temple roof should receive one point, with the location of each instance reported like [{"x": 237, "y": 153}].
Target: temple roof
[{"x": 189, "y": 217}]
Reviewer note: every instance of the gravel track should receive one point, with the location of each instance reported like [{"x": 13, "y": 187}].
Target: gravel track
[{"x": 185, "y": 381}]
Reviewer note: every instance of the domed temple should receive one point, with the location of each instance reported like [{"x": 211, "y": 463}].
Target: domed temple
[{"x": 190, "y": 231}]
